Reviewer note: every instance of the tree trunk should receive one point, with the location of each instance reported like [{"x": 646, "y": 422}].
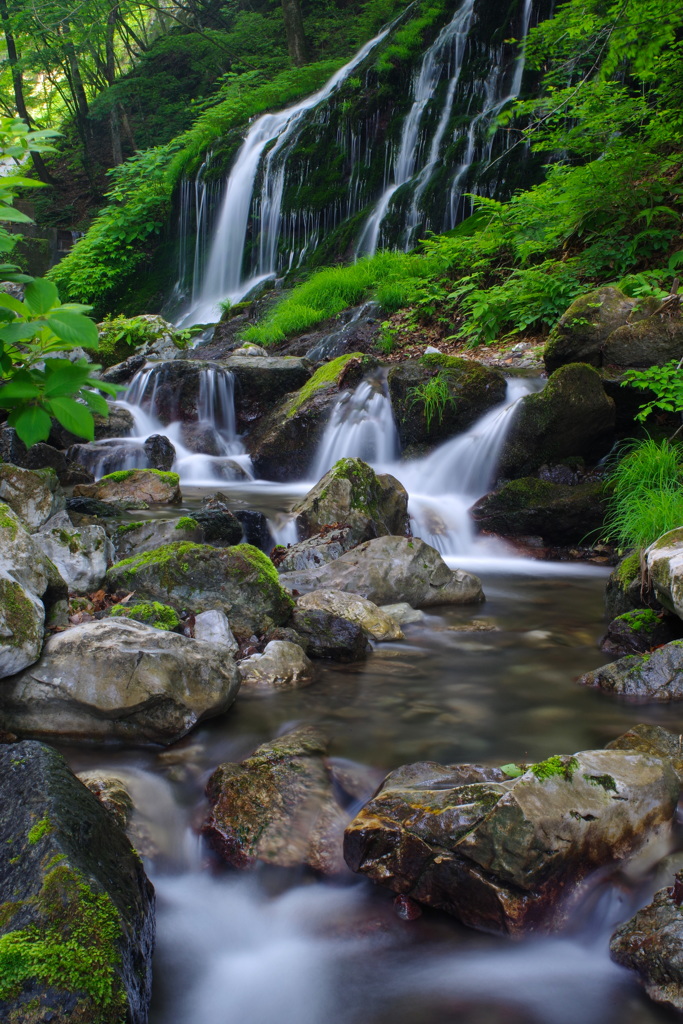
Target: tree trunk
[{"x": 294, "y": 30}]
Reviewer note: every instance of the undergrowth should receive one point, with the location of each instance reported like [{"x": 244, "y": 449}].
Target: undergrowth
[{"x": 646, "y": 493}]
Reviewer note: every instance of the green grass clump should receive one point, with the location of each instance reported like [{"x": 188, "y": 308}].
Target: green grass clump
[
  {"x": 434, "y": 395},
  {"x": 646, "y": 497}
]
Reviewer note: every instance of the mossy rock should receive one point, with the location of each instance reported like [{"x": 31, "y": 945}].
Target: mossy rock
[
  {"x": 262, "y": 383},
  {"x": 580, "y": 332},
  {"x": 240, "y": 581},
  {"x": 559, "y": 513},
  {"x": 653, "y": 677},
  {"x": 473, "y": 389},
  {"x": 640, "y": 630},
  {"x": 628, "y": 589},
  {"x": 76, "y": 909},
  {"x": 136, "y": 487},
  {"x": 151, "y": 613},
  {"x": 654, "y": 340},
  {"x": 572, "y": 416}
]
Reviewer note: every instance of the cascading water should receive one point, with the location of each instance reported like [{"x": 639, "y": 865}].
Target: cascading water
[
  {"x": 361, "y": 426},
  {"x": 451, "y": 41}
]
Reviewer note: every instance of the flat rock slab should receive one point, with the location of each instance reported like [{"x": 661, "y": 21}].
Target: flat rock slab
[
  {"x": 388, "y": 570},
  {"x": 135, "y": 487},
  {"x": 77, "y": 926},
  {"x": 506, "y": 854},
  {"x": 649, "y": 678},
  {"x": 119, "y": 679},
  {"x": 655, "y": 741}
]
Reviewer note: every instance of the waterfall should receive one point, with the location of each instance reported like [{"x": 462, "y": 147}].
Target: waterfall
[
  {"x": 452, "y": 37},
  {"x": 223, "y": 277},
  {"x": 361, "y": 426}
]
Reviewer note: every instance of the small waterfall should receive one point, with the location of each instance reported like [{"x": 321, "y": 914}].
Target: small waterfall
[
  {"x": 361, "y": 426},
  {"x": 452, "y": 38},
  {"x": 224, "y": 270}
]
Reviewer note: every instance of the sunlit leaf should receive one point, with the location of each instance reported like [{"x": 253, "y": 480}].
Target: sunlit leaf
[
  {"x": 32, "y": 424},
  {"x": 40, "y": 296},
  {"x": 73, "y": 328},
  {"x": 73, "y": 416}
]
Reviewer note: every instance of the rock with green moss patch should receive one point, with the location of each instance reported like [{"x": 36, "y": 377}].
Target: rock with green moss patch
[
  {"x": 655, "y": 741},
  {"x": 387, "y": 570},
  {"x": 81, "y": 554},
  {"x": 580, "y": 332},
  {"x": 654, "y": 340},
  {"x": 136, "y": 487},
  {"x": 572, "y": 416},
  {"x": 239, "y": 580},
  {"x": 664, "y": 561},
  {"x": 262, "y": 382},
  {"x": 472, "y": 390},
  {"x": 559, "y": 513},
  {"x": 132, "y": 539},
  {"x": 277, "y": 807},
  {"x": 352, "y": 495},
  {"x": 283, "y": 444},
  {"x": 119, "y": 679},
  {"x": 77, "y": 911},
  {"x": 638, "y": 631},
  {"x": 161, "y": 616},
  {"x": 22, "y": 619},
  {"x": 629, "y": 588},
  {"x": 508, "y": 854},
  {"x": 655, "y": 677},
  {"x": 33, "y": 494}
]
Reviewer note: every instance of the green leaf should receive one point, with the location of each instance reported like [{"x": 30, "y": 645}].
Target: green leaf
[
  {"x": 74, "y": 328},
  {"x": 20, "y": 387},
  {"x": 19, "y": 330},
  {"x": 513, "y": 771},
  {"x": 8, "y": 213},
  {"x": 9, "y": 302},
  {"x": 40, "y": 296},
  {"x": 32, "y": 424},
  {"x": 65, "y": 379},
  {"x": 109, "y": 389},
  {"x": 73, "y": 416},
  {"x": 95, "y": 402}
]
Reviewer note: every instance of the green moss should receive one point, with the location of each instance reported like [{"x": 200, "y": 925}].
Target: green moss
[
  {"x": 324, "y": 377},
  {"x": 40, "y": 829},
  {"x": 363, "y": 480},
  {"x": 555, "y": 767},
  {"x": 640, "y": 620},
  {"x": 172, "y": 479},
  {"x": 606, "y": 782},
  {"x": 628, "y": 570},
  {"x": 127, "y": 527},
  {"x": 18, "y": 614},
  {"x": 259, "y": 563},
  {"x": 8, "y": 520},
  {"x": 152, "y": 613},
  {"x": 186, "y": 523},
  {"x": 166, "y": 559},
  {"x": 73, "y": 949}
]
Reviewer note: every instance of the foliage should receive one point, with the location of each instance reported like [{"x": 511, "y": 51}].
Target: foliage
[
  {"x": 645, "y": 496},
  {"x": 37, "y": 381},
  {"x": 434, "y": 394},
  {"x": 386, "y": 341},
  {"x": 666, "y": 383}
]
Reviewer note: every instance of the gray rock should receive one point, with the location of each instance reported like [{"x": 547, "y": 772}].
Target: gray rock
[
  {"x": 263, "y": 382},
  {"x": 651, "y": 944},
  {"x": 277, "y": 807},
  {"x": 331, "y": 637},
  {"x": 387, "y": 570},
  {"x": 655, "y": 741},
  {"x": 655, "y": 677},
  {"x": 69, "y": 881},
  {"x": 664, "y": 560},
  {"x": 507, "y": 855},
  {"x": 132, "y": 539},
  {"x": 282, "y": 666},
  {"x": 559, "y": 513},
  {"x": 638, "y": 631},
  {"x": 33, "y": 494},
  {"x": 119, "y": 679},
  {"x": 354, "y": 609},
  {"x": 119, "y": 423},
  {"x": 136, "y": 487},
  {"x": 580, "y": 332},
  {"x": 317, "y": 550},
  {"x": 654, "y": 340},
  {"x": 403, "y": 613},
  {"x": 213, "y": 627},
  {"x": 160, "y": 452},
  {"x": 81, "y": 554},
  {"x": 22, "y": 618}
]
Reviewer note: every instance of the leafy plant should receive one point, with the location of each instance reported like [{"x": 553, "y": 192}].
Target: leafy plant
[
  {"x": 386, "y": 342},
  {"x": 666, "y": 383},
  {"x": 434, "y": 394},
  {"x": 645, "y": 493}
]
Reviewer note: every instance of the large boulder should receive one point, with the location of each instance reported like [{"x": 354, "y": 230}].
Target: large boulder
[
  {"x": 135, "y": 487},
  {"x": 139, "y": 537},
  {"x": 277, "y": 807},
  {"x": 180, "y": 389},
  {"x": 261, "y": 383},
  {"x": 239, "y": 580},
  {"x": 655, "y": 340},
  {"x": 119, "y": 679},
  {"x": 651, "y": 944},
  {"x": 33, "y": 494},
  {"x": 356, "y": 609},
  {"x": 387, "y": 570},
  {"x": 81, "y": 554},
  {"x": 77, "y": 926},
  {"x": 655, "y": 741},
  {"x": 559, "y": 513},
  {"x": 351, "y": 494},
  {"x": 507, "y": 854},
  {"x": 571, "y": 416},
  {"x": 664, "y": 561},
  {"x": 283, "y": 444},
  {"x": 581, "y": 330},
  {"x": 282, "y": 666},
  {"x": 653, "y": 678},
  {"x": 472, "y": 390}
]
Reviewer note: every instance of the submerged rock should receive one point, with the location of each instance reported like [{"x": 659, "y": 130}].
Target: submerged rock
[
  {"x": 559, "y": 513},
  {"x": 352, "y": 495},
  {"x": 119, "y": 679},
  {"x": 654, "y": 678},
  {"x": 136, "y": 487},
  {"x": 355, "y": 609},
  {"x": 282, "y": 666},
  {"x": 33, "y": 494},
  {"x": 655, "y": 741},
  {"x": 387, "y": 570},
  {"x": 77, "y": 929},
  {"x": 651, "y": 944},
  {"x": 507, "y": 854},
  {"x": 277, "y": 807},
  {"x": 580, "y": 332},
  {"x": 571, "y": 416},
  {"x": 240, "y": 581}
]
